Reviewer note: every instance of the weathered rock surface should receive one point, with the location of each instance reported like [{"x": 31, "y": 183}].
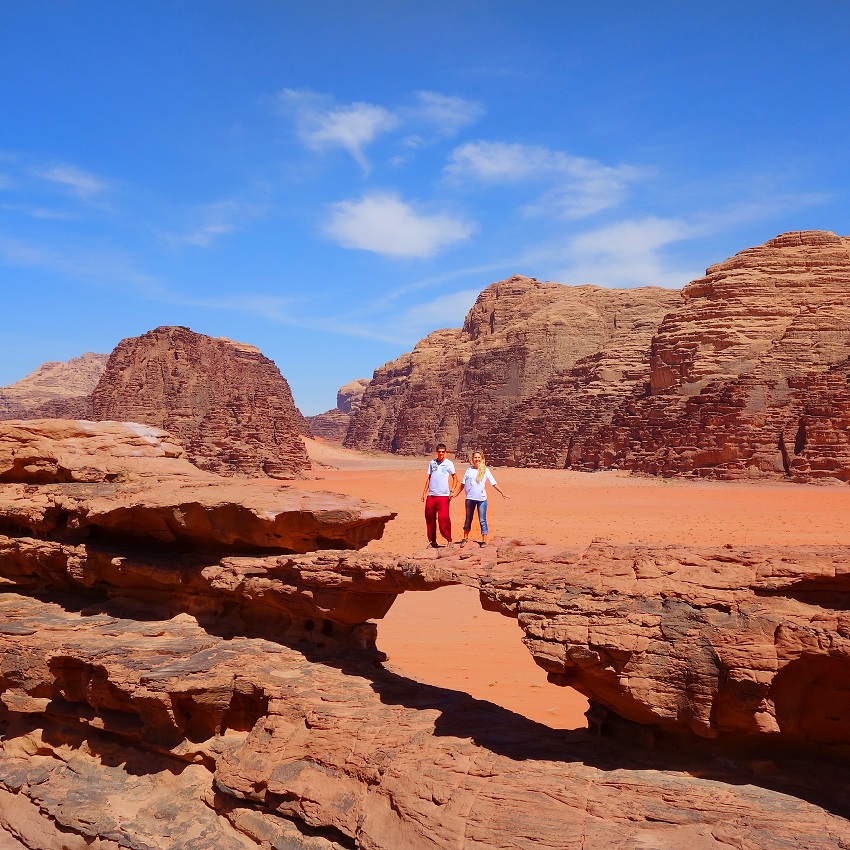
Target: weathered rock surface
[
  {"x": 172, "y": 680},
  {"x": 489, "y": 384},
  {"x": 55, "y": 389},
  {"x": 749, "y": 376},
  {"x": 721, "y": 641},
  {"x": 333, "y": 424},
  {"x": 226, "y": 403},
  {"x": 159, "y": 734}
]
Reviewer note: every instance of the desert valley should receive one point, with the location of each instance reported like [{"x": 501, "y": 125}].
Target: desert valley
[{"x": 222, "y": 626}]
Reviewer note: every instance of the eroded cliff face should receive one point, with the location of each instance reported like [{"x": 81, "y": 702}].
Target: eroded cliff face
[
  {"x": 492, "y": 383},
  {"x": 174, "y": 674},
  {"x": 55, "y": 389},
  {"x": 749, "y": 376},
  {"x": 227, "y": 403}
]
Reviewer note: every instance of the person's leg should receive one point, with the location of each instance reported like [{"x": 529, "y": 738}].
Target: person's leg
[
  {"x": 467, "y": 523},
  {"x": 444, "y": 517},
  {"x": 482, "y": 520},
  {"x": 431, "y": 518}
]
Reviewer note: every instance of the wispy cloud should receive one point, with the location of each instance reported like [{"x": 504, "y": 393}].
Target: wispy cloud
[
  {"x": 351, "y": 127},
  {"x": 81, "y": 183},
  {"x": 626, "y": 254},
  {"x": 383, "y": 223},
  {"x": 214, "y": 220},
  {"x": 580, "y": 186},
  {"x": 323, "y": 124}
]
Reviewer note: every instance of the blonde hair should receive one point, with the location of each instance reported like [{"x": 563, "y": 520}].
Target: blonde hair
[{"x": 482, "y": 470}]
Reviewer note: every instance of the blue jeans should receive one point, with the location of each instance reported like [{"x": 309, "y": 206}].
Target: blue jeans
[{"x": 471, "y": 505}]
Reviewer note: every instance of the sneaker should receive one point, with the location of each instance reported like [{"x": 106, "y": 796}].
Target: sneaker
[
  {"x": 482, "y": 543},
  {"x": 463, "y": 542},
  {"x": 433, "y": 545},
  {"x": 450, "y": 545}
]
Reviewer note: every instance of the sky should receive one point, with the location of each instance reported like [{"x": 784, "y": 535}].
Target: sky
[{"x": 330, "y": 180}]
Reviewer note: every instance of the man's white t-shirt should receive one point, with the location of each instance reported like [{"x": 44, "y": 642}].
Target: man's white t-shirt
[
  {"x": 475, "y": 490},
  {"x": 438, "y": 483}
]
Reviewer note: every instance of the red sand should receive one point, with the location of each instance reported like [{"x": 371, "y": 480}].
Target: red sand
[{"x": 444, "y": 638}]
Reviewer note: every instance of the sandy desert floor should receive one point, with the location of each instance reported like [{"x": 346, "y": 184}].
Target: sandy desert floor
[{"x": 444, "y": 638}]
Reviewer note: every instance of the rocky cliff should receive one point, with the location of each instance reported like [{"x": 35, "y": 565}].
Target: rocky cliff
[
  {"x": 745, "y": 373},
  {"x": 333, "y": 424},
  {"x": 498, "y": 382},
  {"x": 226, "y": 403},
  {"x": 55, "y": 389},
  {"x": 229, "y": 694},
  {"x": 749, "y": 375}
]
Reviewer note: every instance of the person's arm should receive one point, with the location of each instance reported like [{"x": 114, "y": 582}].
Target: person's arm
[
  {"x": 496, "y": 486},
  {"x": 427, "y": 484},
  {"x": 453, "y": 486}
]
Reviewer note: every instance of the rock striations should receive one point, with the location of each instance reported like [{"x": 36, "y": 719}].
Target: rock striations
[
  {"x": 745, "y": 373},
  {"x": 174, "y": 675},
  {"x": 750, "y": 376},
  {"x": 224, "y": 401},
  {"x": 505, "y": 380}
]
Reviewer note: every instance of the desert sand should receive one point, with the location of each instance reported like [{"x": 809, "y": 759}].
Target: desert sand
[{"x": 444, "y": 638}]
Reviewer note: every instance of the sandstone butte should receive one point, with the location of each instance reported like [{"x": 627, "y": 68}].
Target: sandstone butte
[
  {"x": 332, "y": 425},
  {"x": 209, "y": 686},
  {"x": 744, "y": 373},
  {"x": 223, "y": 400}
]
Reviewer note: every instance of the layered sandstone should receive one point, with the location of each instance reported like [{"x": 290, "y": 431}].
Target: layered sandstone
[
  {"x": 749, "y": 376},
  {"x": 522, "y": 344},
  {"x": 200, "y": 688},
  {"x": 55, "y": 389},
  {"x": 333, "y": 424},
  {"x": 226, "y": 403}
]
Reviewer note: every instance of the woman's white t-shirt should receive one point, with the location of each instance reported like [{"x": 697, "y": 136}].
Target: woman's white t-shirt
[{"x": 476, "y": 490}]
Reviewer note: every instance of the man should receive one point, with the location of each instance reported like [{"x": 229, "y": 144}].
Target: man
[{"x": 440, "y": 481}]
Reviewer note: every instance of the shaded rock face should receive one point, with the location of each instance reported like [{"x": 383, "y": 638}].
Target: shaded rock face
[
  {"x": 333, "y": 424},
  {"x": 226, "y": 403},
  {"x": 500, "y": 383},
  {"x": 54, "y": 390},
  {"x": 173, "y": 690}
]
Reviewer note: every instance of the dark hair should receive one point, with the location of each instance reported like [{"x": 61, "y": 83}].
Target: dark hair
[{"x": 441, "y": 445}]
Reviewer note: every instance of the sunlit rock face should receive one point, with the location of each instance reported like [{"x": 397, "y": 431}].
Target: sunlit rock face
[
  {"x": 55, "y": 389},
  {"x": 223, "y": 400},
  {"x": 500, "y": 382},
  {"x": 749, "y": 377}
]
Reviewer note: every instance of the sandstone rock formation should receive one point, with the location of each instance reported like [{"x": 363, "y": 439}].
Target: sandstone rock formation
[
  {"x": 332, "y": 425},
  {"x": 200, "y": 688},
  {"x": 521, "y": 344},
  {"x": 55, "y": 389},
  {"x": 226, "y": 403},
  {"x": 749, "y": 376}
]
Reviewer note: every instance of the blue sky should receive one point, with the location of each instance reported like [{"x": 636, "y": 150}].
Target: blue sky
[{"x": 332, "y": 180}]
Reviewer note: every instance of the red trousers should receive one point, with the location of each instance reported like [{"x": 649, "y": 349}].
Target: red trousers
[{"x": 437, "y": 511}]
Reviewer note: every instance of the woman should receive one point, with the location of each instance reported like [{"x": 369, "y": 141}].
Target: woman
[{"x": 475, "y": 481}]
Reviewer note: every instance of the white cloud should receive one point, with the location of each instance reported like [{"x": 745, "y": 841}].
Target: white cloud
[
  {"x": 383, "y": 223},
  {"x": 216, "y": 219},
  {"x": 581, "y": 187},
  {"x": 625, "y": 254},
  {"x": 351, "y": 127},
  {"x": 80, "y": 182},
  {"x": 448, "y": 114}
]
